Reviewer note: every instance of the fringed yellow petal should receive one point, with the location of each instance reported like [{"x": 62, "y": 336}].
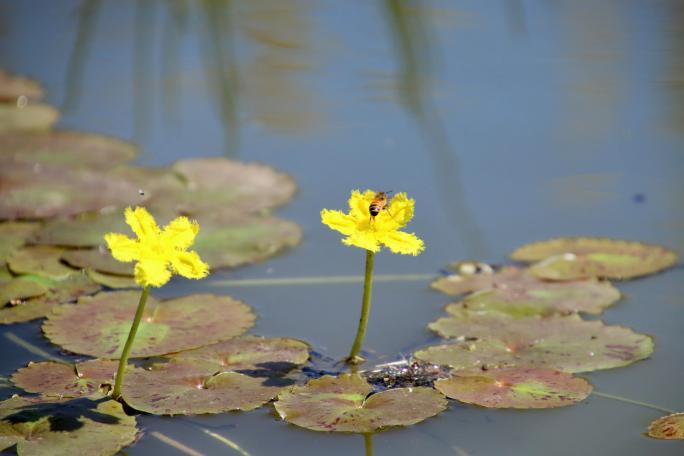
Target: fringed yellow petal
[
  {"x": 338, "y": 221},
  {"x": 190, "y": 265},
  {"x": 401, "y": 209},
  {"x": 400, "y": 242},
  {"x": 153, "y": 272},
  {"x": 123, "y": 248},
  {"x": 359, "y": 204},
  {"x": 180, "y": 233},
  {"x": 142, "y": 223},
  {"x": 363, "y": 240}
]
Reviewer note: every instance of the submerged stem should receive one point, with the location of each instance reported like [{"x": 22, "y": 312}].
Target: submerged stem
[
  {"x": 116, "y": 393},
  {"x": 354, "y": 357}
]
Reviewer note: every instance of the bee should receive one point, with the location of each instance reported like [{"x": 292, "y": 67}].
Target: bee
[{"x": 379, "y": 203}]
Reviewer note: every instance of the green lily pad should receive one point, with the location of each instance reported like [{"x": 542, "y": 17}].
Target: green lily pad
[
  {"x": 670, "y": 427},
  {"x": 98, "y": 259},
  {"x": 343, "y": 404},
  {"x": 65, "y": 148},
  {"x": 33, "y": 117},
  {"x": 41, "y": 260},
  {"x": 41, "y": 425},
  {"x": 58, "y": 291},
  {"x": 112, "y": 281},
  {"x": 35, "y": 192},
  {"x": 249, "y": 352},
  {"x": 568, "y": 343},
  {"x": 576, "y": 258},
  {"x": 166, "y": 327},
  {"x": 219, "y": 182},
  {"x": 467, "y": 282},
  {"x": 65, "y": 380},
  {"x": 15, "y": 291},
  {"x": 12, "y": 87},
  {"x": 530, "y": 296},
  {"x": 184, "y": 387},
  {"x": 519, "y": 388},
  {"x": 13, "y": 235}
]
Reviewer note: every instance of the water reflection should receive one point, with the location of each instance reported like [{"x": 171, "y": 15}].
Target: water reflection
[{"x": 415, "y": 50}]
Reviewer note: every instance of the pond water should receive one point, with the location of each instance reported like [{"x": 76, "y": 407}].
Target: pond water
[{"x": 508, "y": 121}]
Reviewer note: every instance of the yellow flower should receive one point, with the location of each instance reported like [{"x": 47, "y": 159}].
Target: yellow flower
[
  {"x": 158, "y": 252},
  {"x": 368, "y": 234}
]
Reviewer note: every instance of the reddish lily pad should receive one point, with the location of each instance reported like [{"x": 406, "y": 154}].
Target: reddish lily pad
[
  {"x": 218, "y": 182},
  {"x": 13, "y": 235},
  {"x": 576, "y": 258},
  {"x": 58, "y": 291},
  {"x": 167, "y": 327},
  {"x": 568, "y": 343},
  {"x": 467, "y": 282},
  {"x": 31, "y": 117},
  {"x": 112, "y": 281},
  {"x": 42, "y": 260},
  {"x": 519, "y": 388},
  {"x": 670, "y": 427},
  {"x": 12, "y": 87},
  {"x": 183, "y": 387},
  {"x": 42, "y": 425},
  {"x": 66, "y": 380},
  {"x": 528, "y": 295},
  {"x": 343, "y": 404},
  {"x": 98, "y": 259},
  {"x": 36, "y": 192},
  {"x": 64, "y": 148}
]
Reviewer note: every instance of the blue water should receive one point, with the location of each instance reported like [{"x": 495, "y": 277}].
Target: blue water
[{"x": 508, "y": 121}]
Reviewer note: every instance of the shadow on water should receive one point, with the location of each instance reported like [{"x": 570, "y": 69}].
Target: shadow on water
[
  {"x": 62, "y": 416},
  {"x": 415, "y": 51},
  {"x": 273, "y": 373}
]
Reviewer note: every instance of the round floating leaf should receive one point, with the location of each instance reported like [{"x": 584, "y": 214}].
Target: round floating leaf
[
  {"x": 166, "y": 327},
  {"x": 39, "y": 260},
  {"x": 65, "y": 148},
  {"x": 30, "y": 117},
  {"x": 112, "y": 281},
  {"x": 12, "y": 87},
  {"x": 17, "y": 290},
  {"x": 58, "y": 291},
  {"x": 218, "y": 182},
  {"x": 575, "y": 258},
  {"x": 342, "y": 404},
  {"x": 250, "y": 352},
  {"x": 59, "y": 379},
  {"x": 34, "y": 192},
  {"x": 13, "y": 235},
  {"x": 461, "y": 283},
  {"x": 569, "y": 343},
  {"x": 520, "y": 388},
  {"x": 98, "y": 259},
  {"x": 530, "y": 296},
  {"x": 670, "y": 427},
  {"x": 41, "y": 425}
]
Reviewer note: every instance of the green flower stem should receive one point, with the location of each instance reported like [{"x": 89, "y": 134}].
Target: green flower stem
[
  {"x": 116, "y": 393},
  {"x": 354, "y": 357},
  {"x": 368, "y": 443}
]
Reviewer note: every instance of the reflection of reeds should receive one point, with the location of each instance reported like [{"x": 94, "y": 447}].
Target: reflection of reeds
[
  {"x": 415, "y": 49},
  {"x": 176, "y": 26},
  {"x": 143, "y": 53}
]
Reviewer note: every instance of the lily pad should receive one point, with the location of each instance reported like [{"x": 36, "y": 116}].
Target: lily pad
[
  {"x": 17, "y": 290},
  {"x": 111, "y": 280},
  {"x": 670, "y": 427},
  {"x": 65, "y": 380},
  {"x": 44, "y": 261},
  {"x": 530, "y": 296},
  {"x": 166, "y": 327},
  {"x": 343, "y": 404},
  {"x": 13, "y": 235},
  {"x": 519, "y": 388},
  {"x": 41, "y": 425},
  {"x": 98, "y": 259},
  {"x": 568, "y": 343},
  {"x": 462, "y": 283},
  {"x": 219, "y": 182},
  {"x": 58, "y": 291},
  {"x": 34, "y": 192},
  {"x": 34, "y": 117},
  {"x": 575, "y": 258},
  {"x": 64, "y": 148},
  {"x": 12, "y": 87}
]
